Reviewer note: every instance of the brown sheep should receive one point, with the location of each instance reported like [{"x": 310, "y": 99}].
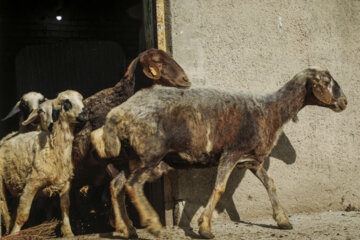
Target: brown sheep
[
  {"x": 208, "y": 128},
  {"x": 151, "y": 67}
]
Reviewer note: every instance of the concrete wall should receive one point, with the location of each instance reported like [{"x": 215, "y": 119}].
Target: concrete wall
[{"x": 257, "y": 46}]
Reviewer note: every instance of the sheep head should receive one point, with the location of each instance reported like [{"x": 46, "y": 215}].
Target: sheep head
[
  {"x": 159, "y": 68},
  {"x": 46, "y": 114},
  {"x": 26, "y": 104},
  {"x": 71, "y": 106},
  {"x": 324, "y": 90},
  {"x": 68, "y": 102}
]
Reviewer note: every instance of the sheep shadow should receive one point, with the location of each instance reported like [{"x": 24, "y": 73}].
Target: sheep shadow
[{"x": 191, "y": 202}]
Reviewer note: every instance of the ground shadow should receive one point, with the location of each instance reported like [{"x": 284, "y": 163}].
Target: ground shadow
[
  {"x": 115, "y": 235},
  {"x": 260, "y": 225},
  {"x": 203, "y": 185}
]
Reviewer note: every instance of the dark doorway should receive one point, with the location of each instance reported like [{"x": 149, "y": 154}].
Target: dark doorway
[{"x": 52, "y": 45}]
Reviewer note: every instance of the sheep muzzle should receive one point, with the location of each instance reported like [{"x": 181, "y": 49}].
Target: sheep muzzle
[{"x": 82, "y": 117}]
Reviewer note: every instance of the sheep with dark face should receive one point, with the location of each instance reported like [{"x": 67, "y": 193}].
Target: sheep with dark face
[
  {"x": 209, "y": 127},
  {"x": 40, "y": 161},
  {"x": 27, "y": 103}
]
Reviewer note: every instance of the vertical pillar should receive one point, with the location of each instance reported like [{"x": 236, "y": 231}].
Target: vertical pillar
[
  {"x": 155, "y": 36},
  {"x": 148, "y": 13},
  {"x": 160, "y": 25},
  {"x": 161, "y": 44}
]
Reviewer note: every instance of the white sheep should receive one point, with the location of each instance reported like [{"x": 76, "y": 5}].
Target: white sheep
[
  {"x": 40, "y": 161},
  {"x": 27, "y": 103}
]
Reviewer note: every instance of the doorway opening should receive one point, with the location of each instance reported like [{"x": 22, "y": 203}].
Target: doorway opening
[{"x": 49, "y": 46}]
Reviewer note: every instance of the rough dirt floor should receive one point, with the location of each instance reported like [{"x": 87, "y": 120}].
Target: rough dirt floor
[{"x": 327, "y": 225}]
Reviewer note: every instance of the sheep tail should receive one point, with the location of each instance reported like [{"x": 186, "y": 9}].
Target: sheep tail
[
  {"x": 106, "y": 142},
  {"x": 112, "y": 141}
]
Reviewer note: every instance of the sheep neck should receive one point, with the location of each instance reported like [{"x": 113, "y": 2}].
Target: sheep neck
[
  {"x": 62, "y": 136},
  {"x": 123, "y": 85},
  {"x": 127, "y": 83},
  {"x": 61, "y": 140},
  {"x": 284, "y": 104},
  {"x": 134, "y": 80}
]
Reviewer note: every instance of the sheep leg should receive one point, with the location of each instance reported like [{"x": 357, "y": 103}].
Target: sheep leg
[
  {"x": 25, "y": 202},
  {"x": 122, "y": 222},
  {"x": 124, "y": 213},
  {"x": 116, "y": 186},
  {"x": 4, "y": 209},
  {"x": 65, "y": 205},
  {"x": 227, "y": 163},
  {"x": 279, "y": 213},
  {"x": 134, "y": 187}
]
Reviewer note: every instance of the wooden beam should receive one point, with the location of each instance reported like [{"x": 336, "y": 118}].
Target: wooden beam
[
  {"x": 148, "y": 21},
  {"x": 160, "y": 25},
  {"x": 155, "y": 36},
  {"x": 161, "y": 44}
]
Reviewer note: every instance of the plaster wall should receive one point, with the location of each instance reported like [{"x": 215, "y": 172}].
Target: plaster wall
[{"x": 257, "y": 46}]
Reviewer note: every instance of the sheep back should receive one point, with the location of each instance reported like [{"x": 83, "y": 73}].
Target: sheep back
[
  {"x": 198, "y": 123},
  {"x": 19, "y": 165},
  {"x": 97, "y": 106}
]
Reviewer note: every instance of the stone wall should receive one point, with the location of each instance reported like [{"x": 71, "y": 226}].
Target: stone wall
[{"x": 257, "y": 46}]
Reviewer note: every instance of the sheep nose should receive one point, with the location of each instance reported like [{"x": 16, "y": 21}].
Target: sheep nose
[
  {"x": 82, "y": 117},
  {"x": 343, "y": 100},
  {"x": 185, "y": 78},
  {"x": 342, "y": 103},
  {"x": 50, "y": 127}
]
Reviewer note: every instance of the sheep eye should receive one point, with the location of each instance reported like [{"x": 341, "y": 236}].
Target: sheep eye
[
  {"x": 67, "y": 105},
  {"x": 24, "y": 106}
]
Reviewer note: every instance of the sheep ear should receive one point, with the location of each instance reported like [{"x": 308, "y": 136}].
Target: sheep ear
[
  {"x": 322, "y": 93},
  {"x": 32, "y": 117},
  {"x": 150, "y": 69},
  {"x": 13, "y": 111}
]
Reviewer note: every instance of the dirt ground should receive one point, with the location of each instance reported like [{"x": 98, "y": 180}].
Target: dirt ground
[{"x": 327, "y": 225}]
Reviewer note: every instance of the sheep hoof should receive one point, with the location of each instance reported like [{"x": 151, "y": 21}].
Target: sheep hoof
[
  {"x": 66, "y": 231},
  {"x": 125, "y": 234},
  {"x": 128, "y": 233},
  {"x": 285, "y": 225},
  {"x": 69, "y": 234},
  {"x": 206, "y": 234},
  {"x": 154, "y": 231},
  {"x": 133, "y": 235},
  {"x": 153, "y": 225}
]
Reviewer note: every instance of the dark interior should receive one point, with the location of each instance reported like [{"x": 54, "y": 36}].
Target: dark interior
[
  {"x": 52, "y": 45},
  {"x": 87, "y": 50}
]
